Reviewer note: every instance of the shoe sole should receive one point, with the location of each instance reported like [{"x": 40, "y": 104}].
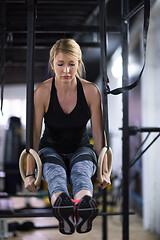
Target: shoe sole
[
  {"x": 64, "y": 215},
  {"x": 86, "y": 212}
]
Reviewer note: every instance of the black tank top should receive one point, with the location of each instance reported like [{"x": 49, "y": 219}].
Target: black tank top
[{"x": 66, "y": 132}]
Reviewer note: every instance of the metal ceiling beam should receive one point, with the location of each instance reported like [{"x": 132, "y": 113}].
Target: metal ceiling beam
[
  {"x": 69, "y": 2},
  {"x": 52, "y": 2},
  {"x": 23, "y": 64},
  {"x": 87, "y": 44},
  {"x": 64, "y": 29}
]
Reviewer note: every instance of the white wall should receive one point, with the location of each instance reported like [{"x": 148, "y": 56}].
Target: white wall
[
  {"x": 14, "y": 104},
  {"x": 151, "y": 118}
]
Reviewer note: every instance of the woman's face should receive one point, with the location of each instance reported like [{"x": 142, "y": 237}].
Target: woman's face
[{"x": 65, "y": 67}]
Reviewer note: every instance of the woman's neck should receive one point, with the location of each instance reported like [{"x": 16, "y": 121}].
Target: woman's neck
[{"x": 64, "y": 87}]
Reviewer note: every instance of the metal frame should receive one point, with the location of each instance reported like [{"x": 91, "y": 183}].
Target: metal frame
[
  {"x": 133, "y": 131},
  {"x": 27, "y": 213},
  {"x": 66, "y": 29},
  {"x": 125, "y": 133},
  {"x": 2, "y": 49},
  {"x": 125, "y": 15},
  {"x": 103, "y": 48},
  {"x": 30, "y": 79}
]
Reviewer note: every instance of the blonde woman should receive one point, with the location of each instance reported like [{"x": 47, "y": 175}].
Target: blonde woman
[{"x": 67, "y": 102}]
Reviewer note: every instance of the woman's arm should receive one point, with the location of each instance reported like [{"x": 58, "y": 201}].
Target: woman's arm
[
  {"x": 39, "y": 109},
  {"x": 97, "y": 130}
]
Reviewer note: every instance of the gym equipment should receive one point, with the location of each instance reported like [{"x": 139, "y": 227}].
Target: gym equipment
[
  {"x": 108, "y": 151},
  {"x": 30, "y": 93},
  {"x": 7, "y": 212},
  {"x": 13, "y": 147},
  {"x": 38, "y": 162},
  {"x": 126, "y": 15},
  {"x": 125, "y": 18}
]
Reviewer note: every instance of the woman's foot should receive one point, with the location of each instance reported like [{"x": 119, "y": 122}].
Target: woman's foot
[
  {"x": 63, "y": 210},
  {"x": 86, "y": 211}
]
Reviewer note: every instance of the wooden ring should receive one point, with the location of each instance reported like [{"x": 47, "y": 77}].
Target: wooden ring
[
  {"x": 100, "y": 163},
  {"x": 38, "y": 162}
]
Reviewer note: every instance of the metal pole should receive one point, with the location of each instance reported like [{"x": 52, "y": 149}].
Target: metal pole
[
  {"x": 2, "y": 50},
  {"x": 30, "y": 73},
  {"x": 103, "y": 47},
  {"x": 125, "y": 137}
]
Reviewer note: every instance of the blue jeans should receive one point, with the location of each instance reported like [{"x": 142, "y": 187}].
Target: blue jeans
[{"x": 76, "y": 168}]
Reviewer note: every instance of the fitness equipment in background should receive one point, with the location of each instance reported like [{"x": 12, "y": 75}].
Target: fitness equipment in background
[{"x": 12, "y": 150}]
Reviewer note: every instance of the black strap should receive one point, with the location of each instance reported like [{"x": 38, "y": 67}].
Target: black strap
[
  {"x": 145, "y": 32},
  {"x": 103, "y": 48},
  {"x": 31, "y": 21}
]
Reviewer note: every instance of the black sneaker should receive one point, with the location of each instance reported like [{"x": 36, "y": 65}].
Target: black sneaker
[
  {"x": 63, "y": 210},
  {"x": 86, "y": 211}
]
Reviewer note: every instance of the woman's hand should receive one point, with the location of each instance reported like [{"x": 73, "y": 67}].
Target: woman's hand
[
  {"x": 29, "y": 184},
  {"x": 106, "y": 181},
  {"x": 105, "y": 174}
]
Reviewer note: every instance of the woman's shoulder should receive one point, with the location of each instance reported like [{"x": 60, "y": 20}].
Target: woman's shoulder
[
  {"x": 90, "y": 88},
  {"x": 43, "y": 88}
]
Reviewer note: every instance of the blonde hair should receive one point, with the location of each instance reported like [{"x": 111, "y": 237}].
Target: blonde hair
[{"x": 71, "y": 48}]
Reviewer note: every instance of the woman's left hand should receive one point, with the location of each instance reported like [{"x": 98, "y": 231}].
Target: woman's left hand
[
  {"x": 105, "y": 174},
  {"x": 106, "y": 181}
]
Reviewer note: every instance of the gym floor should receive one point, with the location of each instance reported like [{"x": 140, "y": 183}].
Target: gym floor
[{"x": 114, "y": 227}]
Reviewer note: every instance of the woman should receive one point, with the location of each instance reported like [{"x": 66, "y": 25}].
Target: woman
[{"x": 67, "y": 102}]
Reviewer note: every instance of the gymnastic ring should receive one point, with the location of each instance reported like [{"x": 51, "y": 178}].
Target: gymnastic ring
[
  {"x": 38, "y": 162},
  {"x": 100, "y": 163}
]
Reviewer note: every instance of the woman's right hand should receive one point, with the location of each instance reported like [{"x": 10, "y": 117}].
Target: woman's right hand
[{"x": 29, "y": 184}]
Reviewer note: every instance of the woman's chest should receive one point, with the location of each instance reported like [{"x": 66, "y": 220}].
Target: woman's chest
[{"x": 67, "y": 102}]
